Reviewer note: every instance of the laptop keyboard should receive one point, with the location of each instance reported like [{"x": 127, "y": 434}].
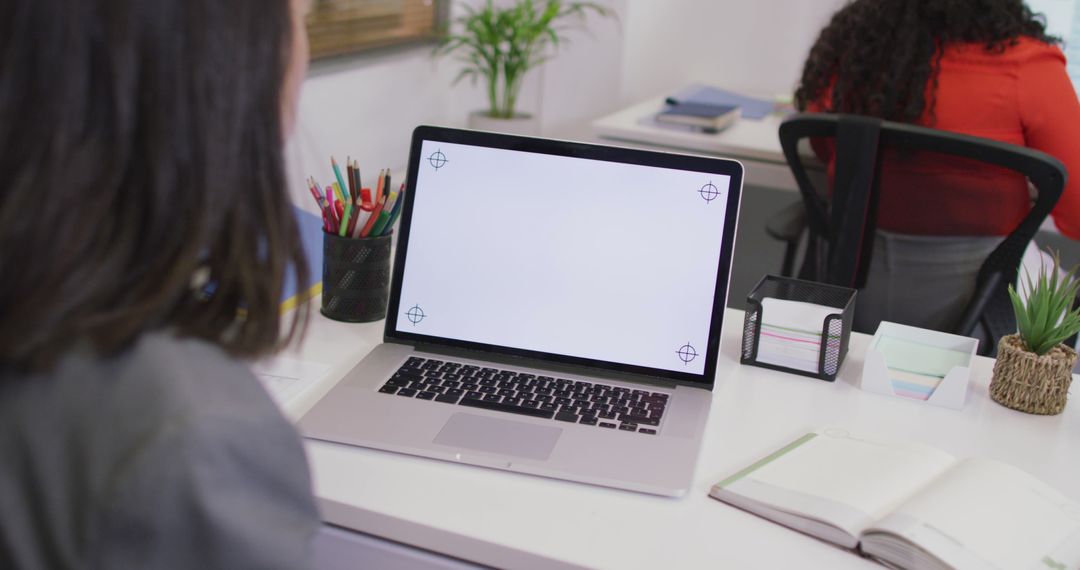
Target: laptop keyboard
[{"x": 574, "y": 401}]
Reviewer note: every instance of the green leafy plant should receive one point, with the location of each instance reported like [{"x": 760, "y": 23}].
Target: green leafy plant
[
  {"x": 501, "y": 45},
  {"x": 1047, "y": 317}
]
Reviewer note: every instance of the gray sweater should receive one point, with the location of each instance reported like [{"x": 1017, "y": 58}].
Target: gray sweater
[{"x": 171, "y": 455}]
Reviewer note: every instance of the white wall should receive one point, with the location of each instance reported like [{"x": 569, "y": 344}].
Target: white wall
[
  {"x": 756, "y": 46},
  {"x": 367, "y": 107}
]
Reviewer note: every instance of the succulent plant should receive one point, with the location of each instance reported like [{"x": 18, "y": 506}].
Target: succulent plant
[{"x": 1047, "y": 317}]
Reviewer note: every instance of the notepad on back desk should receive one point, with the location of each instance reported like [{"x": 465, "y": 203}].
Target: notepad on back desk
[{"x": 909, "y": 505}]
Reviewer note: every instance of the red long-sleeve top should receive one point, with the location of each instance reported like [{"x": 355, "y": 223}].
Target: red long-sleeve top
[{"x": 1021, "y": 96}]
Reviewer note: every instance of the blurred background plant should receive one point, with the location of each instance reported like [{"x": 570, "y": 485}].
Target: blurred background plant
[{"x": 501, "y": 45}]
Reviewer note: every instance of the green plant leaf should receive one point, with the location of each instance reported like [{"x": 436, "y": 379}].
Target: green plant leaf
[
  {"x": 503, "y": 44},
  {"x": 1047, "y": 317}
]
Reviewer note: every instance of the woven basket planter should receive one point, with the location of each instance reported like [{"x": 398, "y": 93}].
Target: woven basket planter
[{"x": 1029, "y": 383}]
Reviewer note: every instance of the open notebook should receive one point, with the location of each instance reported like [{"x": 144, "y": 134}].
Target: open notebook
[{"x": 910, "y": 505}]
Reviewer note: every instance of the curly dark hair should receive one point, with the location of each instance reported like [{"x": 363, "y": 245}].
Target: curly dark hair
[{"x": 883, "y": 53}]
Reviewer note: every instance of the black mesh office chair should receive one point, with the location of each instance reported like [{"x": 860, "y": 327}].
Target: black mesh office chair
[{"x": 841, "y": 225}]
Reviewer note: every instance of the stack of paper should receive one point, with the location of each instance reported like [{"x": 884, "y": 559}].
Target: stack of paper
[
  {"x": 916, "y": 369},
  {"x": 791, "y": 334}
]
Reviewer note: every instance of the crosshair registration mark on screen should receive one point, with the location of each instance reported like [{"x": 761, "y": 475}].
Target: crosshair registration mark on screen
[
  {"x": 709, "y": 192},
  {"x": 415, "y": 314},
  {"x": 437, "y": 159},
  {"x": 686, "y": 353}
]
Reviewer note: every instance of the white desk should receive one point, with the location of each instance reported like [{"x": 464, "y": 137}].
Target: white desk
[
  {"x": 510, "y": 520},
  {"x": 755, "y": 143}
]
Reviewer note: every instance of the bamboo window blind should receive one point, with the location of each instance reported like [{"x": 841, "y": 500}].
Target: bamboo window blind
[{"x": 337, "y": 27}]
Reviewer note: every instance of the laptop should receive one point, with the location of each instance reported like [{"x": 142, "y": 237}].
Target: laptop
[{"x": 555, "y": 309}]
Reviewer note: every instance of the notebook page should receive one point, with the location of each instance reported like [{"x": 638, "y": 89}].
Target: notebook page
[
  {"x": 985, "y": 513},
  {"x": 844, "y": 479}
]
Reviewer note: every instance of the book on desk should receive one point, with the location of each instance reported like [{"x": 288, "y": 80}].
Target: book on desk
[
  {"x": 748, "y": 137},
  {"x": 752, "y": 108},
  {"x": 909, "y": 505},
  {"x": 709, "y": 118}
]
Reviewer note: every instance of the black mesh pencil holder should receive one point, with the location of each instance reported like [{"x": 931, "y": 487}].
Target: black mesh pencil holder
[
  {"x": 356, "y": 277},
  {"x": 835, "y": 328}
]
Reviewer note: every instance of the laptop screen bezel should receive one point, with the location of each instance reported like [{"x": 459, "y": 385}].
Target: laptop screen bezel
[{"x": 719, "y": 166}]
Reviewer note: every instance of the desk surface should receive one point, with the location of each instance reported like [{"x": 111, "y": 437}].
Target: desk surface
[
  {"x": 746, "y": 138},
  {"x": 511, "y": 520},
  {"x": 755, "y": 143}
]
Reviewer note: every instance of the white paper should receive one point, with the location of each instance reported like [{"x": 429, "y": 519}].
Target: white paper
[
  {"x": 791, "y": 333},
  {"x": 286, "y": 378}
]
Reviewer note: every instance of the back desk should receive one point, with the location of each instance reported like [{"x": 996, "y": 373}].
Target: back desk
[{"x": 509, "y": 520}]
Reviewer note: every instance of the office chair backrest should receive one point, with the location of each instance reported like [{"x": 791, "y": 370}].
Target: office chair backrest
[{"x": 842, "y": 224}]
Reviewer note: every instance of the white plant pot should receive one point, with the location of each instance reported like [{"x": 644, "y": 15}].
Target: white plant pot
[{"x": 521, "y": 124}]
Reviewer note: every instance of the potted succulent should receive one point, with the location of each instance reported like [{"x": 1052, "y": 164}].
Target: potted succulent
[
  {"x": 1034, "y": 369},
  {"x": 501, "y": 44}
]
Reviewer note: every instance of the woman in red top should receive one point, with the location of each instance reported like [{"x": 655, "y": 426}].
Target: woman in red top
[{"x": 979, "y": 67}]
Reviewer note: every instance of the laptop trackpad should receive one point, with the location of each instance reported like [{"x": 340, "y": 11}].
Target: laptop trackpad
[{"x": 505, "y": 437}]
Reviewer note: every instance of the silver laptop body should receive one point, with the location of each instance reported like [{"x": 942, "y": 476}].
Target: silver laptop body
[{"x": 589, "y": 282}]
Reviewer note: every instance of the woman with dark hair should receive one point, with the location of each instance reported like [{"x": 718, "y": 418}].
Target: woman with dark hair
[
  {"x": 145, "y": 232},
  {"x": 980, "y": 67}
]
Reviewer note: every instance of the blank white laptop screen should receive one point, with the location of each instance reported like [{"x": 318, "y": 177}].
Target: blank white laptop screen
[{"x": 563, "y": 255}]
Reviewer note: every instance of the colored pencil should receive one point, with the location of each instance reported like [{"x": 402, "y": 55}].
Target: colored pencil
[
  {"x": 329, "y": 209},
  {"x": 356, "y": 175},
  {"x": 374, "y": 217},
  {"x": 353, "y": 220},
  {"x": 397, "y": 209},
  {"x": 319, "y": 202},
  {"x": 384, "y": 216},
  {"x": 361, "y": 221},
  {"x": 351, "y": 179},
  {"x": 337, "y": 174}
]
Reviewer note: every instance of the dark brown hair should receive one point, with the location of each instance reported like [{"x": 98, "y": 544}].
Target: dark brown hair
[
  {"x": 140, "y": 147},
  {"x": 880, "y": 55}
]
